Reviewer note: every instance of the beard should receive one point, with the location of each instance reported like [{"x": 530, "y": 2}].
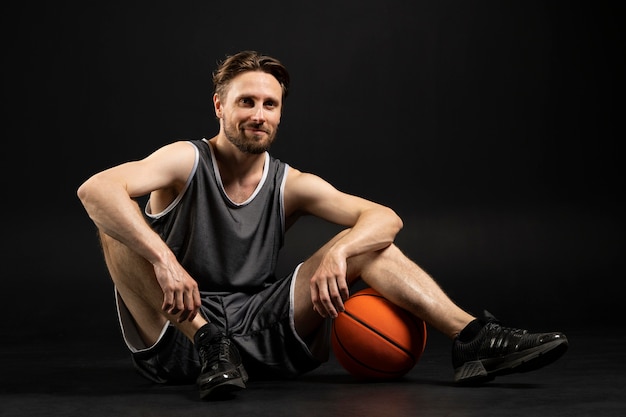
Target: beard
[{"x": 246, "y": 144}]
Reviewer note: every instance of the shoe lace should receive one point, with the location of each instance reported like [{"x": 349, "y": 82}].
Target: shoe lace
[
  {"x": 217, "y": 350},
  {"x": 504, "y": 338}
]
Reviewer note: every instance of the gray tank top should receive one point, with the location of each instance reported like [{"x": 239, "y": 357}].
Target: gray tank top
[{"x": 225, "y": 246}]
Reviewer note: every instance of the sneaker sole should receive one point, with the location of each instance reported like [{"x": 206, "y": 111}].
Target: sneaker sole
[
  {"x": 229, "y": 383},
  {"x": 481, "y": 371}
]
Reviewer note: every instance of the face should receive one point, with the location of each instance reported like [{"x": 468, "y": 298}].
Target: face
[{"x": 250, "y": 111}]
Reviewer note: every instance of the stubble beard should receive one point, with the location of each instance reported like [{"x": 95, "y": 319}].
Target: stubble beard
[{"x": 245, "y": 144}]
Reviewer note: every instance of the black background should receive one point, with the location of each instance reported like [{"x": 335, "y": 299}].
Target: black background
[{"x": 491, "y": 127}]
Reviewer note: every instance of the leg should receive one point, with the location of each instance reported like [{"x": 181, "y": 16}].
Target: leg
[
  {"x": 397, "y": 278},
  {"x": 407, "y": 285},
  {"x": 482, "y": 348},
  {"x": 135, "y": 281}
]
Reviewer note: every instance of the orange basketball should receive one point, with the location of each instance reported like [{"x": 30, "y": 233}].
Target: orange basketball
[{"x": 375, "y": 339}]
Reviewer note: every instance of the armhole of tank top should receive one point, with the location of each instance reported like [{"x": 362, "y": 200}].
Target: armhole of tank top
[
  {"x": 282, "y": 198},
  {"x": 182, "y": 192}
]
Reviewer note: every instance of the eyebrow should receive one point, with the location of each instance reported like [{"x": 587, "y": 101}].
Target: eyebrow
[{"x": 256, "y": 97}]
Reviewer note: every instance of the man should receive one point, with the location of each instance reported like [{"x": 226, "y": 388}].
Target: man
[{"x": 194, "y": 275}]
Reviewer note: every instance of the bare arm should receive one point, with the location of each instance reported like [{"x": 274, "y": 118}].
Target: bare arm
[
  {"x": 372, "y": 227},
  {"x": 108, "y": 199}
]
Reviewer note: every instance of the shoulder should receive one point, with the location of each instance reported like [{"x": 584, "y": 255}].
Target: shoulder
[
  {"x": 177, "y": 156},
  {"x": 304, "y": 190},
  {"x": 303, "y": 183},
  {"x": 169, "y": 165},
  {"x": 181, "y": 148},
  {"x": 168, "y": 170}
]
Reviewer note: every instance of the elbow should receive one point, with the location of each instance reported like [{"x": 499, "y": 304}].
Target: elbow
[
  {"x": 398, "y": 223},
  {"x": 81, "y": 192},
  {"x": 394, "y": 221},
  {"x": 84, "y": 190},
  {"x": 87, "y": 190}
]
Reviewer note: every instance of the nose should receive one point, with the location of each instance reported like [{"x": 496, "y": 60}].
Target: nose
[{"x": 258, "y": 115}]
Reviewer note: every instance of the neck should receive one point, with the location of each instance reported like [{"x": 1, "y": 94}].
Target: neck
[{"x": 233, "y": 163}]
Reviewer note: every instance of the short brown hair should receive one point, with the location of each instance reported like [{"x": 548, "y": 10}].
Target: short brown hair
[{"x": 245, "y": 61}]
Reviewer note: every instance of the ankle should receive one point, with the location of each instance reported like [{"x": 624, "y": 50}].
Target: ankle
[
  {"x": 205, "y": 333},
  {"x": 470, "y": 331}
]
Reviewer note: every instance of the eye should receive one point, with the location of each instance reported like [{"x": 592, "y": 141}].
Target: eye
[
  {"x": 246, "y": 101},
  {"x": 270, "y": 104}
]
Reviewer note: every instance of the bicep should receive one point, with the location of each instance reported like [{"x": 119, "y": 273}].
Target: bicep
[
  {"x": 166, "y": 168},
  {"x": 309, "y": 194}
]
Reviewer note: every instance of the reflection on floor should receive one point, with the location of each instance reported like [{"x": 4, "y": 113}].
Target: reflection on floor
[{"x": 94, "y": 378}]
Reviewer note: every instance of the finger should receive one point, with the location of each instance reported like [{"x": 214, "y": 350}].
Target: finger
[
  {"x": 335, "y": 296},
  {"x": 331, "y": 311},
  {"x": 192, "y": 315},
  {"x": 190, "y": 309},
  {"x": 168, "y": 301},
  {"x": 319, "y": 309},
  {"x": 180, "y": 303},
  {"x": 326, "y": 301},
  {"x": 344, "y": 290},
  {"x": 183, "y": 316},
  {"x": 197, "y": 302},
  {"x": 315, "y": 299}
]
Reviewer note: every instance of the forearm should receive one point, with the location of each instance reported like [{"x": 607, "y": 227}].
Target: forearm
[
  {"x": 116, "y": 214},
  {"x": 374, "y": 230}
]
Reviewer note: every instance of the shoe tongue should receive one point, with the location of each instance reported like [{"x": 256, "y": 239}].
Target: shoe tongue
[
  {"x": 471, "y": 330},
  {"x": 488, "y": 316},
  {"x": 205, "y": 332}
]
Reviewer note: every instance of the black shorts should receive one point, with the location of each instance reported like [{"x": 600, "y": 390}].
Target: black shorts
[{"x": 261, "y": 325}]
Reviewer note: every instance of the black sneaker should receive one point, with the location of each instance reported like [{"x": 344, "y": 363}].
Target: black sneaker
[
  {"x": 222, "y": 371},
  {"x": 498, "y": 350}
]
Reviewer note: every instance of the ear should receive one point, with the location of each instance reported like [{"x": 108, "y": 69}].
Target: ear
[{"x": 217, "y": 105}]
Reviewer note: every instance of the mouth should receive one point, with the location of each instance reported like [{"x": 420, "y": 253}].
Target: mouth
[{"x": 256, "y": 130}]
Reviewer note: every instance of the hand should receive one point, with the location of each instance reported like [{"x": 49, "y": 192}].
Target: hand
[
  {"x": 329, "y": 287},
  {"x": 181, "y": 296}
]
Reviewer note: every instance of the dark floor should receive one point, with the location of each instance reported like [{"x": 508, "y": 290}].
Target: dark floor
[{"x": 95, "y": 378}]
